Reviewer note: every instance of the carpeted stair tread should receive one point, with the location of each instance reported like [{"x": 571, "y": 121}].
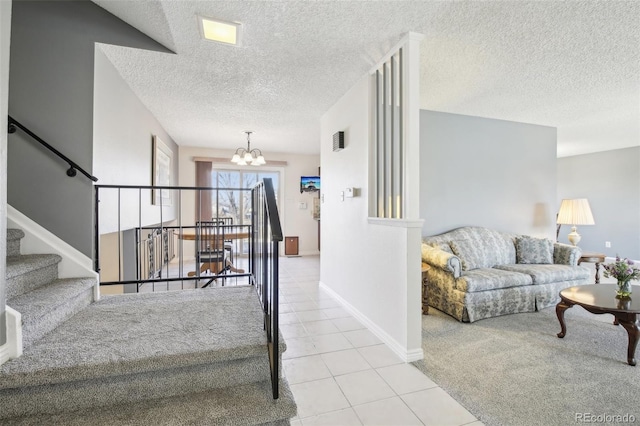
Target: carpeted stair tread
[
  {"x": 28, "y": 272},
  {"x": 249, "y": 404},
  {"x": 46, "y": 307},
  {"x": 19, "y": 265},
  {"x": 14, "y": 236},
  {"x": 36, "y": 302},
  {"x": 144, "y": 332}
]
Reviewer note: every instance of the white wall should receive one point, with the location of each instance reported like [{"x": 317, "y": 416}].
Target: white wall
[
  {"x": 494, "y": 173},
  {"x": 5, "y": 36},
  {"x": 295, "y": 221},
  {"x": 122, "y": 152},
  {"x": 371, "y": 266},
  {"x": 610, "y": 180}
]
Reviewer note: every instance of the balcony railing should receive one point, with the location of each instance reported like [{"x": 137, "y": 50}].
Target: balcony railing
[{"x": 144, "y": 247}]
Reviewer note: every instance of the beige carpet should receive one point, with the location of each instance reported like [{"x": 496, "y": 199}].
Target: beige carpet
[{"x": 513, "y": 370}]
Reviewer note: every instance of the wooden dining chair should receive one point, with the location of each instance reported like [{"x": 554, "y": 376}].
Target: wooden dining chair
[
  {"x": 227, "y": 222},
  {"x": 210, "y": 251}
]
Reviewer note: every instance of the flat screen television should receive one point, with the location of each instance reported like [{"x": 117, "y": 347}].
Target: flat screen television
[{"x": 309, "y": 184}]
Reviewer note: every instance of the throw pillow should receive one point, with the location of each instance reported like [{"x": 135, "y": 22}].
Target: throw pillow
[
  {"x": 469, "y": 254},
  {"x": 534, "y": 250}
]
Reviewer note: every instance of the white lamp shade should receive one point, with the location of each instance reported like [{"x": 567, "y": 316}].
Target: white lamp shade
[
  {"x": 260, "y": 160},
  {"x": 575, "y": 212},
  {"x": 242, "y": 162},
  {"x": 235, "y": 158},
  {"x": 248, "y": 158}
]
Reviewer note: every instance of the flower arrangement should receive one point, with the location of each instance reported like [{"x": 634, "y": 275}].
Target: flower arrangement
[{"x": 622, "y": 270}]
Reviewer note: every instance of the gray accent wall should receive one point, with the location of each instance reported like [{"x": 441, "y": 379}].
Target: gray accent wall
[
  {"x": 485, "y": 172},
  {"x": 51, "y": 92},
  {"x": 610, "y": 180}
]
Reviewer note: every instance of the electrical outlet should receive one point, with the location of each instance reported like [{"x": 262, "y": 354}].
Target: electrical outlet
[{"x": 607, "y": 244}]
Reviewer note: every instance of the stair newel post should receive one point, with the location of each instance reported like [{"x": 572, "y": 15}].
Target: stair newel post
[
  {"x": 96, "y": 228},
  {"x": 275, "y": 373}
]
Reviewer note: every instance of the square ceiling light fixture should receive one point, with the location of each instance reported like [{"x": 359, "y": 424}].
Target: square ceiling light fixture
[{"x": 220, "y": 31}]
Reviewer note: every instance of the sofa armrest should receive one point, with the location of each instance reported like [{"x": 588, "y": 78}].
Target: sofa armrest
[
  {"x": 564, "y": 254},
  {"x": 441, "y": 259}
]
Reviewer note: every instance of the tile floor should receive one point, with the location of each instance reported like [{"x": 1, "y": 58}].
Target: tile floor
[{"x": 340, "y": 373}]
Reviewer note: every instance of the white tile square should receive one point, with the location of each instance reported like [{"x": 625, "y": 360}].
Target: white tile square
[
  {"x": 327, "y": 303},
  {"x": 405, "y": 378},
  {"x": 343, "y": 362},
  {"x": 322, "y": 296},
  {"x": 304, "y": 306},
  {"x": 320, "y": 327},
  {"x": 291, "y": 331},
  {"x": 307, "y": 316},
  {"x": 435, "y": 407},
  {"x": 387, "y": 412},
  {"x": 360, "y": 338},
  {"x": 337, "y": 312},
  {"x": 379, "y": 356},
  {"x": 331, "y": 342},
  {"x": 318, "y": 397},
  {"x": 305, "y": 369},
  {"x": 348, "y": 324},
  {"x": 302, "y": 346},
  {"x": 301, "y": 297},
  {"x": 285, "y": 308},
  {"x": 288, "y": 318},
  {"x": 292, "y": 290},
  {"x": 346, "y": 417},
  {"x": 364, "y": 386}
]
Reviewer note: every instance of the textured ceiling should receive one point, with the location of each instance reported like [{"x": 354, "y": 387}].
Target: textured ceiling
[{"x": 568, "y": 64}]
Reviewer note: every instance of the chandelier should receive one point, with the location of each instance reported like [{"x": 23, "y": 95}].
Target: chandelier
[{"x": 242, "y": 156}]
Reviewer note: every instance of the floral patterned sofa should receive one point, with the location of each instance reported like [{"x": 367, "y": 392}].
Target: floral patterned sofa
[{"x": 478, "y": 273}]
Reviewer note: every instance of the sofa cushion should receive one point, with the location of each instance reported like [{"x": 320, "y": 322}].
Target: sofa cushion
[
  {"x": 534, "y": 250},
  {"x": 490, "y": 279},
  {"x": 544, "y": 274}
]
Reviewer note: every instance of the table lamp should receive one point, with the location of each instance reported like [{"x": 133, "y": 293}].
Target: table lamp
[{"x": 575, "y": 212}]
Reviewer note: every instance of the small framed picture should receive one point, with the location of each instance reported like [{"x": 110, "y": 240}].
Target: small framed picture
[{"x": 162, "y": 166}]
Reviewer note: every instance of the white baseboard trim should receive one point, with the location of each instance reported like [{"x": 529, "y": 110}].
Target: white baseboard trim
[
  {"x": 13, "y": 347},
  {"x": 402, "y": 352},
  {"x": 38, "y": 240}
]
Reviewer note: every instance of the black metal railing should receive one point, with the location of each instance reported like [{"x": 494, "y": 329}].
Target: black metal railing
[
  {"x": 267, "y": 234},
  {"x": 141, "y": 245},
  {"x": 73, "y": 167}
]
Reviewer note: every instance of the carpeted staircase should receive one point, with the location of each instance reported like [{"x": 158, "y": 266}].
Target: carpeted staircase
[{"x": 174, "y": 358}]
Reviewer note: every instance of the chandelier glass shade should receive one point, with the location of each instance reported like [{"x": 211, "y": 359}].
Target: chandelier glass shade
[{"x": 243, "y": 156}]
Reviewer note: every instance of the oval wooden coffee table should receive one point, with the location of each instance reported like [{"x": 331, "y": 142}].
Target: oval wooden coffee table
[{"x": 601, "y": 299}]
